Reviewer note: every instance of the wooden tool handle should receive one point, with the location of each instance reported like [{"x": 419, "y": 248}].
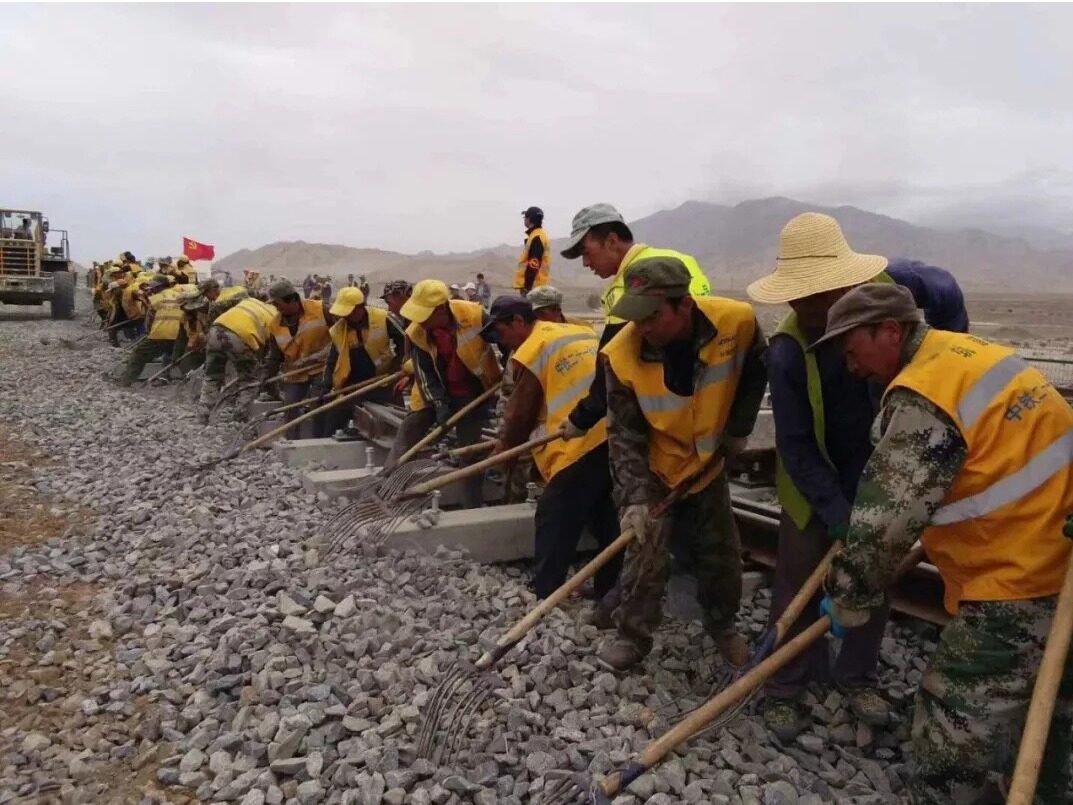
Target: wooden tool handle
[
  {"x": 804, "y": 595},
  {"x": 471, "y": 449},
  {"x": 455, "y": 418},
  {"x": 522, "y": 627},
  {"x": 473, "y": 469},
  {"x": 322, "y": 398},
  {"x": 1041, "y": 710},
  {"x": 272, "y": 434}
]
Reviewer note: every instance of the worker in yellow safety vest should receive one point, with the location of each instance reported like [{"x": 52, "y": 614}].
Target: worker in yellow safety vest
[
  {"x": 599, "y": 235},
  {"x": 452, "y": 364},
  {"x": 300, "y": 343},
  {"x": 685, "y": 378},
  {"x": 973, "y": 458},
  {"x": 552, "y": 365},
  {"x": 534, "y": 261},
  {"x": 239, "y": 337},
  {"x": 361, "y": 349},
  {"x": 164, "y": 323}
]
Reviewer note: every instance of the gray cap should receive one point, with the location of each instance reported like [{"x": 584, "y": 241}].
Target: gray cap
[
  {"x": 585, "y": 220},
  {"x": 871, "y": 303},
  {"x": 281, "y": 289},
  {"x": 545, "y": 296}
]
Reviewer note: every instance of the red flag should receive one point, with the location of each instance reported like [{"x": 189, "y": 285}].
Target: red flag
[{"x": 198, "y": 251}]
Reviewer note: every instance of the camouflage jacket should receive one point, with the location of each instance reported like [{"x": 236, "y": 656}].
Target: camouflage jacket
[
  {"x": 919, "y": 452},
  {"x": 627, "y": 428}
]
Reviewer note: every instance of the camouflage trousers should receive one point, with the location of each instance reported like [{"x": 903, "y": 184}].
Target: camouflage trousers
[
  {"x": 147, "y": 350},
  {"x": 222, "y": 347},
  {"x": 972, "y": 704},
  {"x": 702, "y": 535}
]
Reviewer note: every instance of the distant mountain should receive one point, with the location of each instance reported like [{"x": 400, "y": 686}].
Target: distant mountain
[{"x": 735, "y": 244}]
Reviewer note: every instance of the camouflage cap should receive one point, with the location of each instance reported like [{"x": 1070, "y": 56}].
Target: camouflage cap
[
  {"x": 871, "y": 303},
  {"x": 585, "y": 220},
  {"x": 281, "y": 289},
  {"x": 396, "y": 286},
  {"x": 647, "y": 283},
  {"x": 207, "y": 286},
  {"x": 545, "y": 296}
]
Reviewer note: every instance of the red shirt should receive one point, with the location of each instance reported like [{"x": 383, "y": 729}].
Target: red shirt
[{"x": 457, "y": 375}]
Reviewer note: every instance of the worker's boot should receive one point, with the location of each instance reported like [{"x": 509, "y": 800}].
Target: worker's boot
[
  {"x": 620, "y": 654},
  {"x": 868, "y": 706},
  {"x": 600, "y": 616},
  {"x": 784, "y": 718},
  {"x": 732, "y": 646}
]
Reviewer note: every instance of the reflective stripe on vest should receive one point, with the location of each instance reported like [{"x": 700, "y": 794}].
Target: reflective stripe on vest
[
  {"x": 167, "y": 315},
  {"x": 375, "y": 341},
  {"x": 698, "y": 282},
  {"x": 249, "y": 320},
  {"x": 474, "y": 352},
  {"x": 998, "y": 533},
  {"x": 310, "y": 337},
  {"x": 686, "y": 431},
  {"x": 563, "y": 359},
  {"x": 544, "y": 269}
]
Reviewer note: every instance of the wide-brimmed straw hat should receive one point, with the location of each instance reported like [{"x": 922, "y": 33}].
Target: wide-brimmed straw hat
[{"x": 814, "y": 257}]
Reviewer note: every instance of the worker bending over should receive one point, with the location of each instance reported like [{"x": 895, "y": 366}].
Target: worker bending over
[
  {"x": 685, "y": 377},
  {"x": 164, "y": 322},
  {"x": 238, "y": 336},
  {"x": 361, "y": 349},
  {"x": 973, "y": 458},
  {"x": 299, "y": 345},
  {"x": 452, "y": 365},
  {"x": 552, "y": 365},
  {"x": 819, "y": 465}
]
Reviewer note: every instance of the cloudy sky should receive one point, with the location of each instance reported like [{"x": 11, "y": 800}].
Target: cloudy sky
[{"x": 430, "y": 127}]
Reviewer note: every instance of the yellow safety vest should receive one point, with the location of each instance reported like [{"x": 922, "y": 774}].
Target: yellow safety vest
[
  {"x": 686, "y": 431},
  {"x": 167, "y": 315},
  {"x": 698, "y": 282},
  {"x": 543, "y": 270},
  {"x": 998, "y": 533},
  {"x": 310, "y": 337},
  {"x": 373, "y": 337},
  {"x": 473, "y": 350},
  {"x": 251, "y": 320},
  {"x": 563, "y": 359}
]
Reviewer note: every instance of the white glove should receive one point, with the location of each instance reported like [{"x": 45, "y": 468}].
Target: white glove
[
  {"x": 568, "y": 430},
  {"x": 635, "y": 518},
  {"x": 734, "y": 445}
]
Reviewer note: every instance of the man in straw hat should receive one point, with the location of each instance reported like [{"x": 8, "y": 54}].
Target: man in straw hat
[
  {"x": 685, "y": 377},
  {"x": 819, "y": 466},
  {"x": 974, "y": 458},
  {"x": 600, "y": 237}
]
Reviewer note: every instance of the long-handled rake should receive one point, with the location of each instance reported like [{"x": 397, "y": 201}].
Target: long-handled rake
[
  {"x": 149, "y": 380},
  {"x": 309, "y": 401},
  {"x": 236, "y": 386},
  {"x": 379, "y": 508},
  {"x": 272, "y": 434},
  {"x": 71, "y": 343},
  {"x": 466, "y": 688},
  {"x": 438, "y": 432},
  {"x": 577, "y": 788}
]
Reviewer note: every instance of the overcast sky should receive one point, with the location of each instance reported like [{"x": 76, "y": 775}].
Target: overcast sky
[{"x": 431, "y": 127}]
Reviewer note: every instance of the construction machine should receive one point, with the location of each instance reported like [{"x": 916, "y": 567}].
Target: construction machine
[{"x": 32, "y": 270}]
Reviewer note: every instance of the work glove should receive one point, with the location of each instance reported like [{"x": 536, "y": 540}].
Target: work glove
[
  {"x": 443, "y": 413},
  {"x": 568, "y": 430},
  {"x": 635, "y": 518},
  {"x": 827, "y": 607}
]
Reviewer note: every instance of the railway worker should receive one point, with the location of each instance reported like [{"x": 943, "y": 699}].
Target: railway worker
[
  {"x": 395, "y": 295},
  {"x": 199, "y": 311},
  {"x": 164, "y": 322},
  {"x": 685, "y": 378},
  {"x": 184, "y": 270},
  {"x": 361, "y": 349},
  {"x": 238, "y": 336},
  {"x": 300, "y": 343},
  {"x": 973, "y": 458},
  {"x": 552, "y": 364},
  {"x": 534, "y": 261},
  {"x": 599, "y": 235},
  {"x": 132, "y": 301},
  {"x": 819, "y": 466},
  {"x": 547, "y": 302},
  {"x": 452, "y": 365}
]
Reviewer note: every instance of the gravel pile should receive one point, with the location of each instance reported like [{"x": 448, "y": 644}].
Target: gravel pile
[{"x": 184, "y": 638}]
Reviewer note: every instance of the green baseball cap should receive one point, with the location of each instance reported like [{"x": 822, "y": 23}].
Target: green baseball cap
[
  {"x": 585, "y": 220},
  {"x": 647, "y": 284}
]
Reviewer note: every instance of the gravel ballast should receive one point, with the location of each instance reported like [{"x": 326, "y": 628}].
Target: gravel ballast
[{"x": 181, "y": 637}]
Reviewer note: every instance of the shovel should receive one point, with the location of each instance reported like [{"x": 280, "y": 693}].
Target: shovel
[{"x": 572, "y": 789}]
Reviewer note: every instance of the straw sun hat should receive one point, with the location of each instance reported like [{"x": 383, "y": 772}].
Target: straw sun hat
[{"x": 813, "y": 258}]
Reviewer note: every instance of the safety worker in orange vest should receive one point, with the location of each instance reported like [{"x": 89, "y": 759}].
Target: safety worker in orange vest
[
  {"x": 361, "y": 349},
  {"x": 974, "y": 458},
  {"x": 299, "y": 348},
  {"x": 685, "y": 378},
  {"x": 534, "y": 262},
  {"x": 452, "y": 364},
  {"x": 552, "y": 365}
]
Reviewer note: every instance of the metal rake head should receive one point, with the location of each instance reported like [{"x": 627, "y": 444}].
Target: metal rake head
[
  {"x": 457, "y": 699},
  {"x": 571, "y": 788}
]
